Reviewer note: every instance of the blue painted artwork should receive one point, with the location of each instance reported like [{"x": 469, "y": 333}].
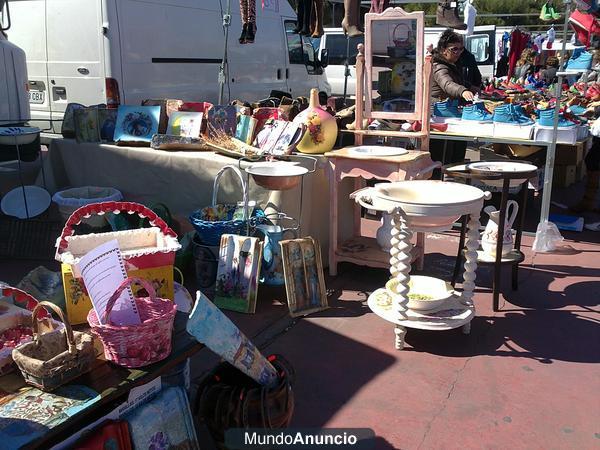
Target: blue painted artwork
[
  {"x": 163, "y": 423},
  {"x": 136, "y": 123},
  {"x": 31, "y": 413}
]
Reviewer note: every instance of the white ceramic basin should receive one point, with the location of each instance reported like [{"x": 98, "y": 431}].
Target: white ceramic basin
[
  {"x": 18, "y": 135},
  {"x": 429, "y": 204},
  {"x": 278, "y": 175},
  {"x": 501, "y": 167}
]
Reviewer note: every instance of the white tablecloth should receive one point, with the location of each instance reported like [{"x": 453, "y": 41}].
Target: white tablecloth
[{"x": 183, "y": 180}]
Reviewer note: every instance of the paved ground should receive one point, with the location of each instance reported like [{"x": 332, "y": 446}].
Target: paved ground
[{"x": 526, "y": 377}]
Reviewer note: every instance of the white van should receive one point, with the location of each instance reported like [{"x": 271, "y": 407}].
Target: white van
[
  {"x": 14, "y": 107},
  {"x": 125, "y": 51}
]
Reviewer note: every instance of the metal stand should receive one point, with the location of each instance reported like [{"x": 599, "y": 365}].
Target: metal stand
[
  {"x": 224, "y": 68},
  {"x": 26, "y": 132}
]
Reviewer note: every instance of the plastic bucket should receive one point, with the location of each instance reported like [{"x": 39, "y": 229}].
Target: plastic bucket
[
  {"x": 71, "y": 199},
  {"x": 206, "y": 260}
]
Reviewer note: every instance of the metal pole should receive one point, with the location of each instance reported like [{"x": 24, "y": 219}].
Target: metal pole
[
  {"x": 224, "y": 69},
  {"x": 549, "y": 172},
  {"x": 346, "y": 68}
]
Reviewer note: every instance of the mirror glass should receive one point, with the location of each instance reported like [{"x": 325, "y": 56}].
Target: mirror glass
[
  {"x": 479, "y": 46},
  {"x": 393, "y": 65}
]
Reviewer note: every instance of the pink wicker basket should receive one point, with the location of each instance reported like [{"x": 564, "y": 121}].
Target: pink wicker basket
[{"x": 137, "y": 345}]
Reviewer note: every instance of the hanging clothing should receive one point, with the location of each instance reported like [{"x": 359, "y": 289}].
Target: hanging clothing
[
  {"x": 470, "y": 14},
  {"x": 379, "y": 6},
  {"x": 316, "y": 19},
  {"x": 518, "y": 42},
  {"x": 502, "y": 67},
  {"x": 248, "y": 13},
  {"x": 303, "y": 11},
  {"x": 551, "y": 35},
  {"x": 585, "y": 26}
]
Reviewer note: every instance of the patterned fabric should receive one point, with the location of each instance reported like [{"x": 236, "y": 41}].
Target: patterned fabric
[{"x": 248, "y": 11}]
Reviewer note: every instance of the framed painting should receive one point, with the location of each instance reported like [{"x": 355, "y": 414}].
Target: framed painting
[
  {"x": 238, "y": 271},
  {"x": 303, "y": 273},
  {"x": 186, "y": 124},
  {"x": 86, "y": 125},
  {"x": 222, "y": 118},
  {"x": 136, "y": 123}
]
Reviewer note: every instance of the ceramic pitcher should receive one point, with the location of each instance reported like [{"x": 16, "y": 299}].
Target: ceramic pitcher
[
  {"x": 272, "y": 268},
  {"x": 489, "y": 238}
]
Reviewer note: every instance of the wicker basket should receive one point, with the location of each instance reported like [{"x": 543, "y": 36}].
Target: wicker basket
[
  {"x": 55, "y": 358},
  {"x": 137, "y": 345},
  {"x": 210, "y": 231}
]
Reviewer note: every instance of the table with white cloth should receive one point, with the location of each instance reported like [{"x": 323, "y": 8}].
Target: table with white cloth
[{"x": 183, "y": 180}]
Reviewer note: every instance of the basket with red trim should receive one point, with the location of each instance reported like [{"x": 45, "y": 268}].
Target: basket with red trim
[{"x": 147, "y": 253}]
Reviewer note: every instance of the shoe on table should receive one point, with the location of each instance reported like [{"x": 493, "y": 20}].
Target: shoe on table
[
  {"x": 580, "y": 60},
  {"x": 447, "y": 109},
  {"x": 511, "y": 115},
  {"x": 546, "y": 119},
  {"x": 476, "y": 112}
]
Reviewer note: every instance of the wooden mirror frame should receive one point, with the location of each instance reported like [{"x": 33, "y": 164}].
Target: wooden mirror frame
[{"x": 395, "y": 14}]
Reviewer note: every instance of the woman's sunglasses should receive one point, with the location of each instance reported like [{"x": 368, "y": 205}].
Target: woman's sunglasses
[{"x": 456, "y": 50}]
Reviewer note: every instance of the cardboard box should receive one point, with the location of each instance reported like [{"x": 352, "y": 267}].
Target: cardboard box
[
  {"x": 569, "y": 154},
  {"x": 564, "y": 176}
]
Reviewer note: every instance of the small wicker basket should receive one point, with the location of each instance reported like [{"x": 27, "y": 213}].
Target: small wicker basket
[
  {"x": 55, "y": 358},
  {"x": 137, "y": 345}
]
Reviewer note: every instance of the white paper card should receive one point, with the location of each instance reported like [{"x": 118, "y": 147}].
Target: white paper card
[{"x": 103, "y": 271}]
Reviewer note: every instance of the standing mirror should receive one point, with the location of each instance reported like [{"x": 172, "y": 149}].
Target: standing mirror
[{"x": 394, "y": 64}]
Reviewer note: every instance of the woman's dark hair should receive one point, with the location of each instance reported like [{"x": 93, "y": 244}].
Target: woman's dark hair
[{"x": 448, "y": 37}]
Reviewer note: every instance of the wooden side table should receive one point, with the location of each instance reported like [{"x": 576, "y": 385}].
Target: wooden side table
[
  {"x": 515, "y": 257},
  {"x": 362, "y": 248}
]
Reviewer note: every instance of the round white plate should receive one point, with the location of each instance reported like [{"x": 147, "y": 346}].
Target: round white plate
[
  {"x": 38, "y": 201},
  {"x": 501, "y": 166},
  {"x": 18, "y": 135},
  {"x": 378, "y": 150}
]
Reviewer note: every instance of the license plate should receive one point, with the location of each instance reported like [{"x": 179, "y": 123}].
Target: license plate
[{"x": 36, "y": 96}]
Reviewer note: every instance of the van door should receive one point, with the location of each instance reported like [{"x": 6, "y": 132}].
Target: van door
[
  {"x": 303, "y": 71},
  {"x": 28, "y": 31},
  {"x": 341, "y": 48},
  {"x": 482, "y": 44},
  {"x": 75, "y": 48}
]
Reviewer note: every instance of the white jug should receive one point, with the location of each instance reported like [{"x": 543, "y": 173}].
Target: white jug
[{"x": 489, "y": 237}]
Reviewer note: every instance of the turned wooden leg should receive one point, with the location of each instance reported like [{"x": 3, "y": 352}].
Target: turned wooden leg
[
  {"x": 400, "y": 335},
  {"x": 400, "y": 267},
  {"x": 469, "y": 275}
]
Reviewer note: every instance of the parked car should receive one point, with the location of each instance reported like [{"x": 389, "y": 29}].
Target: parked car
[
  {"x": 125, "y": 51},
  {"x": 14, "y": 105}
]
